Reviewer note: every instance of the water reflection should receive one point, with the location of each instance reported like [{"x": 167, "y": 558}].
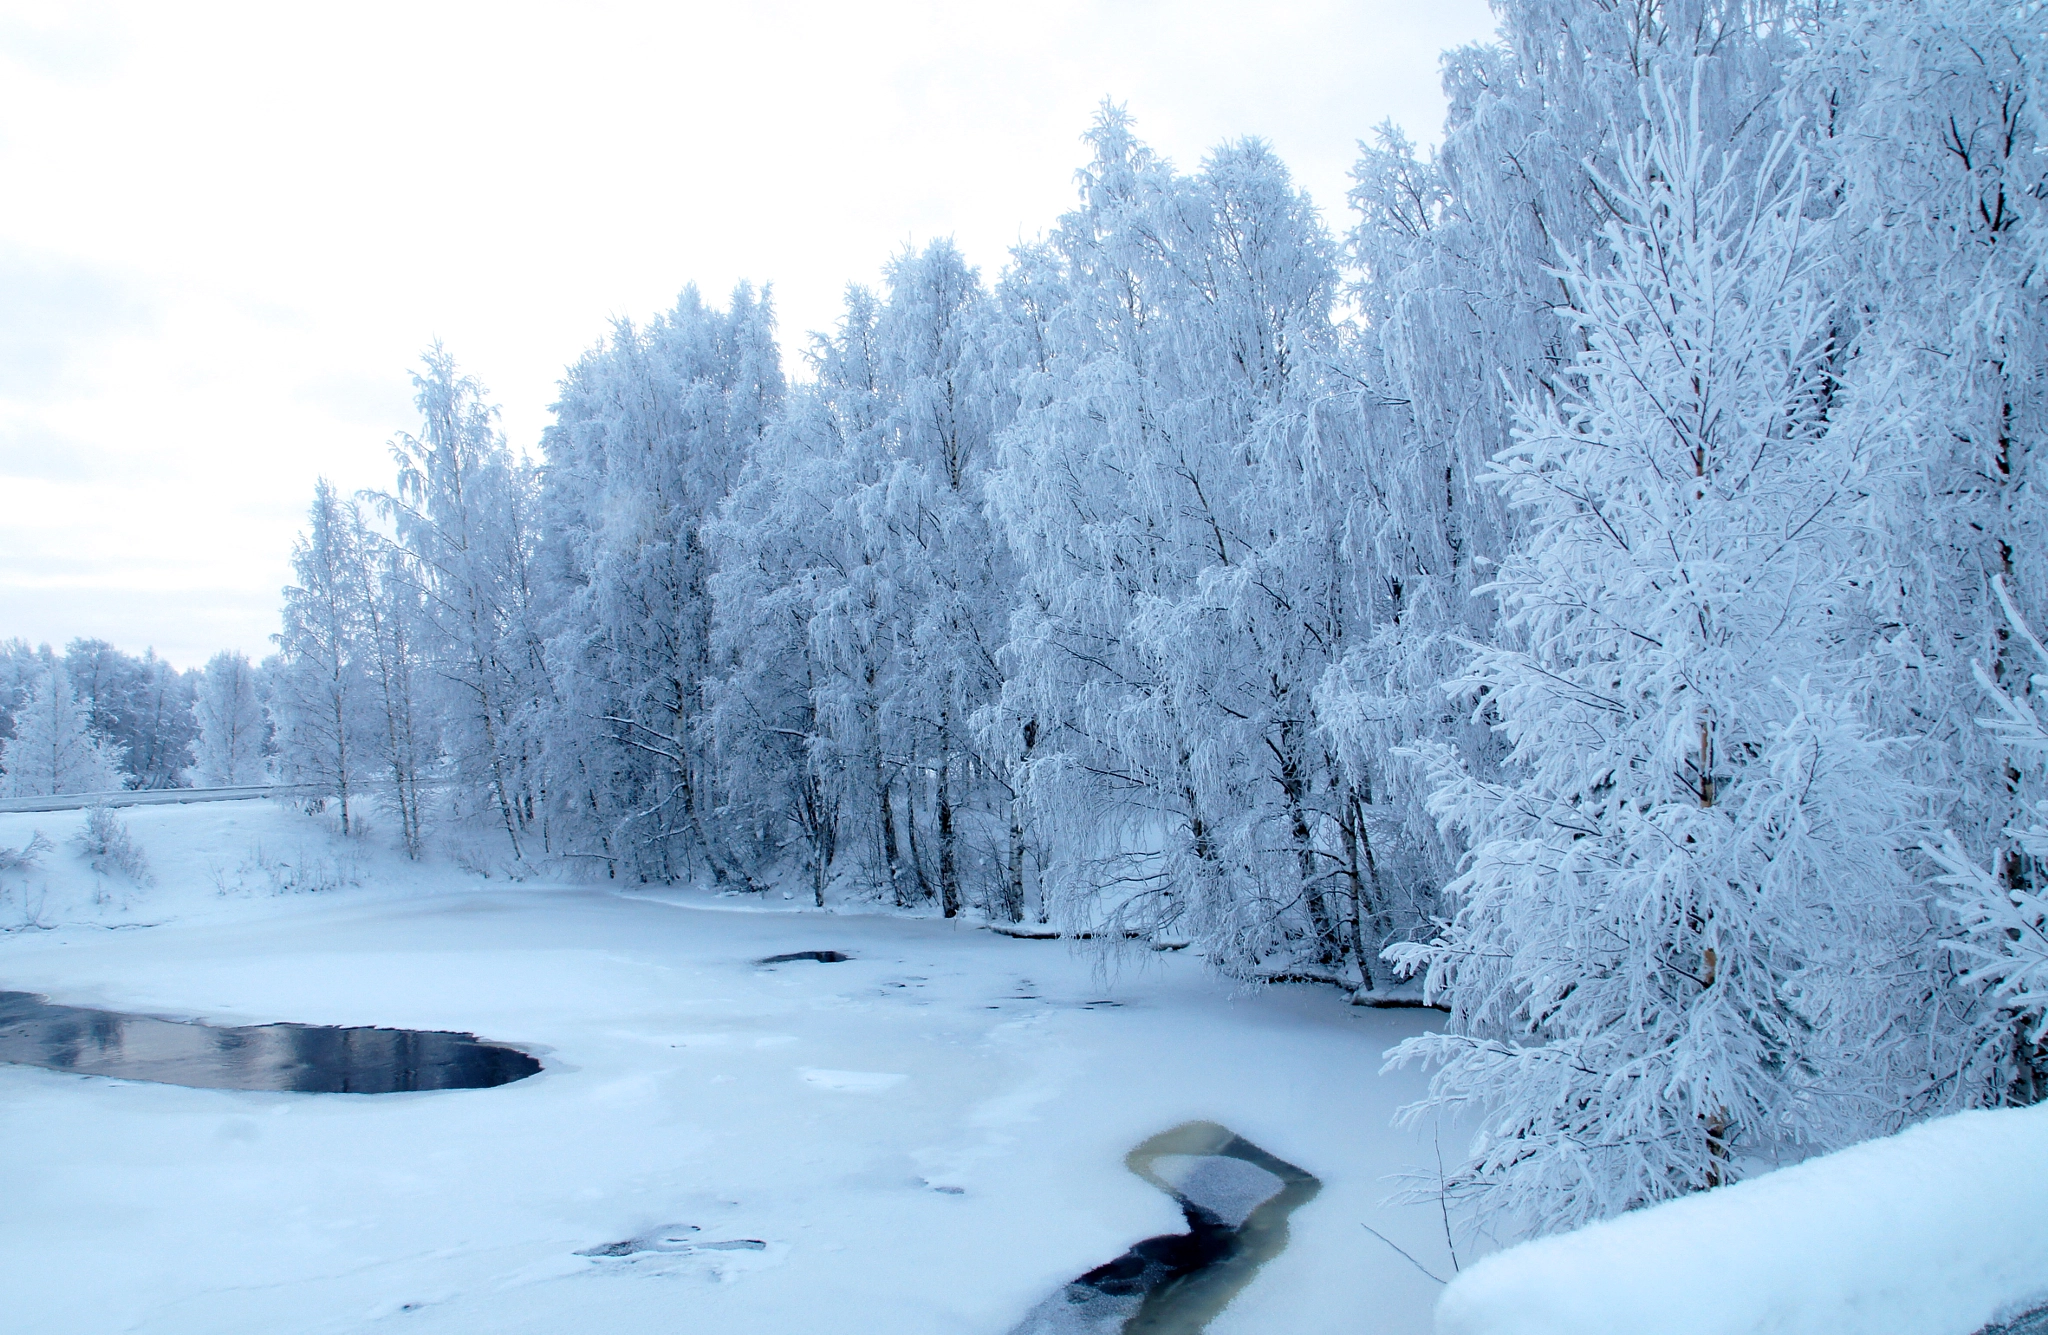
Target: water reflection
[
  {"x": 306, "y": 1059},
  {"x": 1237, "y": 1199}
]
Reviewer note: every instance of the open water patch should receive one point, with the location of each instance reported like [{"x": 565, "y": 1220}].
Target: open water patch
[
  {"x": 1237, "y": 1199},
  {"x": 292, "y": 1058}
]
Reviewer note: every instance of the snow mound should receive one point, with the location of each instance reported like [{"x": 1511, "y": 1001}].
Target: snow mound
[{"x": 1939, "y": 1230}]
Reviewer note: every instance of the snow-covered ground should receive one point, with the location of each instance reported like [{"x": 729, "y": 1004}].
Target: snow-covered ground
[
  {"x": 1938, "y": 1230},
  {"x": 927, "y": 1138}
]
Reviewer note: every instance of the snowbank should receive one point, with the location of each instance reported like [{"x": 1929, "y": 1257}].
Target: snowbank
[{"x": 1936, "y": 1231}]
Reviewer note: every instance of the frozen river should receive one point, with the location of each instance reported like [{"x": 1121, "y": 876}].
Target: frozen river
[{"x": 926, "y": 1136}]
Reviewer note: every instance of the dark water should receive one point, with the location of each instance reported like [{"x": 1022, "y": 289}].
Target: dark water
[
  {"x": 1236, "y": 1199},
  {"x": 298, "y": 1058},
  {"x": 821, "y": 956}
]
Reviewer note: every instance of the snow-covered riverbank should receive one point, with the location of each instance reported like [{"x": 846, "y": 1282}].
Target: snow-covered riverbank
[{"x": 928, "y": 1137}]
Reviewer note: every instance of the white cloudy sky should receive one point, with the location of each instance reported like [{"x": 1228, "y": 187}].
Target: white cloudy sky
[{"x": 226, "y": 231}]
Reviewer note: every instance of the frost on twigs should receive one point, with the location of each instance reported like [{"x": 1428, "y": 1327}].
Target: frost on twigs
[
  {"x": 297, "y": 870},
  {"x": 2004, "y": 919},
  {"x": 1681, "y": 915},
  {"x": 28, "y": 855},
  {"x": 27, "y": 912},
  {"x": 104, "y": 842}
]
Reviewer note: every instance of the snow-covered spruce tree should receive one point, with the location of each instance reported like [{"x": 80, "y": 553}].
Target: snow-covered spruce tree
[
  {"x": 1682, "y": 894},
  {"x": 648, "y": 439},
  {"x": 53, "y": 749},
  {"x": 319, "y": 694},
  {"x": 232, "y": 729},
  {"x": 463, "y": 513}
]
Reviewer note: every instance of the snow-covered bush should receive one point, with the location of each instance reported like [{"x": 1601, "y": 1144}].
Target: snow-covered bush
[
  {"x": 28, "y": 855},
  {"x": 104, "y": 841},
  {"x": 307, "y": 871},
  {"x": 301, "y": 869}
]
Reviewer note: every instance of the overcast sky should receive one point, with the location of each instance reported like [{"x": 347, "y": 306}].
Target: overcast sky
[{"x": 228, "y": 231}]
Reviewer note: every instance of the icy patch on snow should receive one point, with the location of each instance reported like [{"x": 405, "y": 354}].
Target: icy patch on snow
[
  {"x": 1228, "y": 1188},
  {"x": 1936, "y": 1231},
  {"x": 860, "y": 1082}
]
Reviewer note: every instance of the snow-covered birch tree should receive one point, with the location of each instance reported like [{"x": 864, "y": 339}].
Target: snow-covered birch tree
[
  {"x": 463, "y": 515},
  {"x": 232, "y": 728},
  {"x": 649, "y": 437},
  {"x": 1675, "y": 929},
  {"x": 319, "y": 691}
]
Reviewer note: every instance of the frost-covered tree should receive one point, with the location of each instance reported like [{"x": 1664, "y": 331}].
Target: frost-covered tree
[
  {"x": 1457, "y": 257},
  {"x": 162, "y": 727},
  {"x": 54, "y": 749},
  {"x": 463, "y": 513},
  {"x": 860, "y": 598},
  {"x": 20, "y": 665},
  {"x": 104, "y": 679},
  {"x": 799, "y": 541},
  {"x": 402, "y": 729},
  {"x": 778, "y": 552},
  {"x": 2004, "y": 919},
  {"x": 1676, "y": 928},
  {"x": 938, "y": 571},
  {"x": 650, "y": 434},
  {"x": 1927, "y": 125},
  {"x": 232, "y": 727},
  {"x": 319, "y": 694},
  {"x": 1175, "y": 487},
  {"x": 140, "y": 707}
]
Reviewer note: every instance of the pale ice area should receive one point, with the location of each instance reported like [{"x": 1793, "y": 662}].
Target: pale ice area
[
  {"x": 929, "y": 1136},
  {"x": 1228, "y": 1188},
  {"x": 1938, "y": 1230}
]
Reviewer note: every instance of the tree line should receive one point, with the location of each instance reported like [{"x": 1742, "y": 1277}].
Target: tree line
[{"x": 94, "y": 719}]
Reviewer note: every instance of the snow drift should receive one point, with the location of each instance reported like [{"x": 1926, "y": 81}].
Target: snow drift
[{"x": 1937, "y": 1231}]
